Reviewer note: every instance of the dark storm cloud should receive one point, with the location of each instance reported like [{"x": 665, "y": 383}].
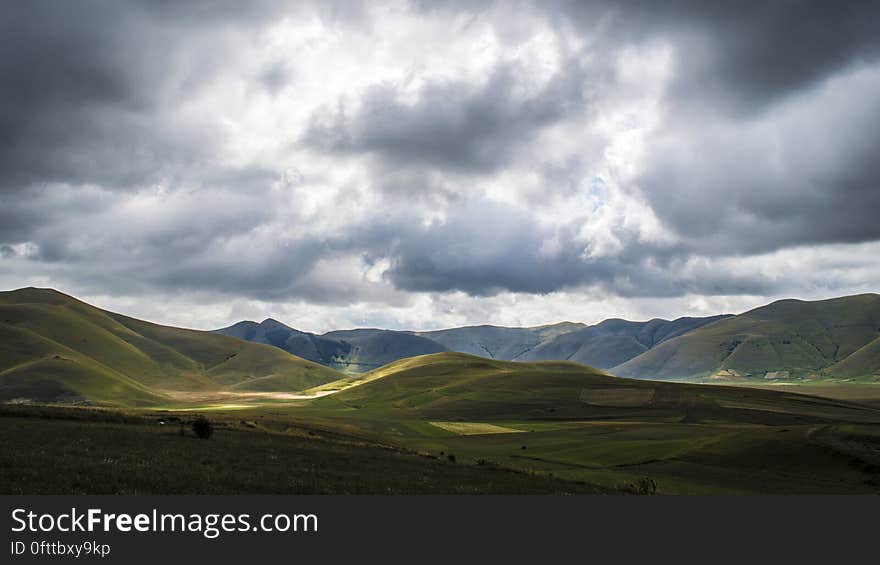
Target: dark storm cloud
[
  {"x": 486, "y": 248},
  {"x": 756, "y": 52},
  {"x": 735, "y": 55},
  {"x": 90, "y": 88},
  {"x": 82, "y": 82},
  {"x": 452, "y": 125},
  {"x": 806, "y": 173}
]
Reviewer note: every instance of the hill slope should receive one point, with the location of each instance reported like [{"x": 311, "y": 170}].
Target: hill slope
[
  {"x": 457, "y": 384},
  {"x": 54, "y": 347},
  {"x": 788, "y": 339}
]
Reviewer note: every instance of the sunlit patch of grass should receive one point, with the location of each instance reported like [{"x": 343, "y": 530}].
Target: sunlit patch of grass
[{"x": 475, "y": 428}]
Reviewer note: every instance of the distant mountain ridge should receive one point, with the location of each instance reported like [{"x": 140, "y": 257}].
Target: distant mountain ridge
[
  {"x": 789, "y": 339},
  {"x": 603, "y": 345}
]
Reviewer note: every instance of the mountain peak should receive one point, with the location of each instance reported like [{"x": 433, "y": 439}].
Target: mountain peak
[
  {"x": 37, "y": 295},
  {"x": 272, "y": 322}
]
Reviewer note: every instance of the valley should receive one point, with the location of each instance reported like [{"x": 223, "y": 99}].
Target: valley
[{"x": 93, "y": 402}]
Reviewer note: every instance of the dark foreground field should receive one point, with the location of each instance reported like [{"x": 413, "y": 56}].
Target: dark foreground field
[
  {"x": 88, "y": 455},
  {"x": 274, "y": 451}
]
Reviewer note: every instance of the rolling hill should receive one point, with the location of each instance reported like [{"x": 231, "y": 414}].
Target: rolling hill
[
  {"x": 56, "y": 348},
  {"x": 459, "y": 387},
  {"x": 788, "y": 339}
]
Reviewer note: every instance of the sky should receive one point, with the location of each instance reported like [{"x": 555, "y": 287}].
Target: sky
[{"x": 428, "y": 164}]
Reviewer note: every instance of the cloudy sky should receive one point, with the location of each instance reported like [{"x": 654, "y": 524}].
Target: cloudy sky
[{"x": 428, "y": 164}]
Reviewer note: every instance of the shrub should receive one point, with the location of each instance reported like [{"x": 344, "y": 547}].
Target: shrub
[
  {"x": 451, "y": 458},
  {"x": 644, "y": 486},
  {"x": 202, "y": 427}
]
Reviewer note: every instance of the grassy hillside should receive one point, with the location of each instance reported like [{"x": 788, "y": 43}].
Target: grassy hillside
[
  {"x": 54, "y": 347},
  {"x": 457, "y": 384},
  {"x": 449, "y": 386},
  {"x": 788, "y": 339},
  {"x": 861, "y": 362}
]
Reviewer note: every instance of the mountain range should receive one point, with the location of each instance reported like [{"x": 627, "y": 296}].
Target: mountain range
[
  {"x": 603, "y": 345},
  {"x": 788, "y": 339},
  {"x": 54, "y": 347}
]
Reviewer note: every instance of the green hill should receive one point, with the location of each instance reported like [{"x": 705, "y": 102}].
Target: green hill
[
  {"x": 788, "y": 339},
  {"x": 456, "y": 386},
  {"x": 56, "y": 348}
]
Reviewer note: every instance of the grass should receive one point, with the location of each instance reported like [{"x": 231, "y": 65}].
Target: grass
[{"x": 474, "y": 428}]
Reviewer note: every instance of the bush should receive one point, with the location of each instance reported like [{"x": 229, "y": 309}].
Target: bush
[
  {"x": 451, "y": 458},
  {"x": 202, "y": 427},
  {"x": 643, "y": 486}
]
